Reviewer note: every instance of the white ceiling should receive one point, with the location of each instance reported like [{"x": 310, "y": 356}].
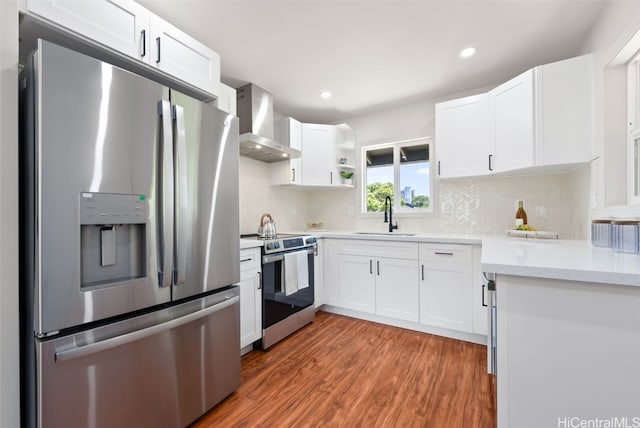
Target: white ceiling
[{"x": 372, "y": 54}]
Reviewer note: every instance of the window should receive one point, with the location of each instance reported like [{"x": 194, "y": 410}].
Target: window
[{"x": 401, "y": 171}]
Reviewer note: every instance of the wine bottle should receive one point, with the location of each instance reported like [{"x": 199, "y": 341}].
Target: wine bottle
[{"x": 521, "y": 215}]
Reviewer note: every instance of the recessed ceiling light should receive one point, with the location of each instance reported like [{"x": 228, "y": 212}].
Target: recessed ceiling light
[
  {"x": 325, "y": 94},
  {"x": 467, "y": 52},
  {"x": 258, "y": 146},
  {"x": 284, "y": 155}
]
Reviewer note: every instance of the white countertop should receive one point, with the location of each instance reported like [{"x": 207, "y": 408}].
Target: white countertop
[
  {"x": 445, "y": 238},
  {"x": 559, "y": 259},
  {"x": 250, "y": 243},
  {"x": 538, "y": 258}
]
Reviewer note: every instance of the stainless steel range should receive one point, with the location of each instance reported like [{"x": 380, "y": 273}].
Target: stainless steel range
[{"x": 287, "y": 285}]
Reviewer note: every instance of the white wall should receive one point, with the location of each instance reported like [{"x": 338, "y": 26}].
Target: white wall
[
  {"x": 9, "y": 366},
  {"x": 287, "y": 207}
]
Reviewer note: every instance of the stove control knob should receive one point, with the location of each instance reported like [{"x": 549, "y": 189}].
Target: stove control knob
[
  {"x": 277, "y": 244},
  {"x": 269, "y": 246},
  {"x": 310, "y": 240}
]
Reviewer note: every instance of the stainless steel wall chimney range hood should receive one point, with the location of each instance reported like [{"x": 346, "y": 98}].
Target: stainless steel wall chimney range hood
[{"x": 255, "y": 111}]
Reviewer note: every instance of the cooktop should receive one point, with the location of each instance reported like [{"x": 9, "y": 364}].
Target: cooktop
[
  {"x": 283, "y": 242},
  {"x": 278, "y": 236}
]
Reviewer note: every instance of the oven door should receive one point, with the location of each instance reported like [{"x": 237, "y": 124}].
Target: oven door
[{"x": 276, "y": 304}]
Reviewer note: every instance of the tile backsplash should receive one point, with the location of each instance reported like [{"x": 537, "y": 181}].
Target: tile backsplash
[
  {"x": 488, "y": 205},
  {"x": 467, "y": 206}
]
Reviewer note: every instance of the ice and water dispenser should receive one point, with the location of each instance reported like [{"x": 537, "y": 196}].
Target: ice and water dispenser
[{"x": 113, "y": 238}]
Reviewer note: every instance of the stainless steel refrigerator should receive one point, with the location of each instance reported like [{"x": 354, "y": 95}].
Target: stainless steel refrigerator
[{"x": 129, "y": 210}]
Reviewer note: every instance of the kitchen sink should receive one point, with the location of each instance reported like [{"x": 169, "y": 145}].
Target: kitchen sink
[{"x": 385, "y": 234}]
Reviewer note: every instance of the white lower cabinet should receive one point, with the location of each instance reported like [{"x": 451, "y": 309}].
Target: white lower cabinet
[
  {"x": 397, "y": 289},
  {"x": 330, "y": 276},
  {"x": 318, "y": 274},
  {"x": 250, "y": 297},
  {"x": 372, "y": 283},
  {"x": 446, "y": 292},
  {"x": 430, "y": 287},
  {"x": 567, "y": 351},
  {"x": 357, "y": 283},
  {"x": 479, "y": 294}
]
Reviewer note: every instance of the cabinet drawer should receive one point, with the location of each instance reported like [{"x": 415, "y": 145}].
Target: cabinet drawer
[
  {"x": 249, "y": 259},
  {"x": 448, "y": 253},
  {"x": 391, "y": 249}
]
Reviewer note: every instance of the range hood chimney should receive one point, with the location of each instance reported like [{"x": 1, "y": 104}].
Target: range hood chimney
[{"x": 255, "y": 111}]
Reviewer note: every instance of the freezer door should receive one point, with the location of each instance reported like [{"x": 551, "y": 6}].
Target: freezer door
[
  {"x": 164, "y": 369},
  {"x": 102, "y": 195},
  {"x": 206, "y": 158}
]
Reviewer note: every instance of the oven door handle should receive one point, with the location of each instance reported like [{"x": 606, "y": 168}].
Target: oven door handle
[{"x": 270, "y": 258}]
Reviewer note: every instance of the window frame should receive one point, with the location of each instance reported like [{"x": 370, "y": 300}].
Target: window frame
[
  {"x": 397, "y": 208},
  {"x": 633, "y": 124}
]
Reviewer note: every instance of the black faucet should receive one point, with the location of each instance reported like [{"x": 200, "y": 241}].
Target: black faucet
[{"x": 390, "y": 218}]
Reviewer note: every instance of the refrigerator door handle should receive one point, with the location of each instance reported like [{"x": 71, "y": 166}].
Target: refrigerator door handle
[
  {"x": 83, "y": 351},
  {"x": 180, "y": 153},
  {"x": 165, "y": 250}
]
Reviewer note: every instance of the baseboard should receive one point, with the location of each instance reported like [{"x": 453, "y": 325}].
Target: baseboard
[{"x": 480, "y": 339}]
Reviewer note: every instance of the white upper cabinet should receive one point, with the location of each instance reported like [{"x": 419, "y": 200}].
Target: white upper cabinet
[
  {"x": 464, "y": 136},
  {"x": 180, "y": 55},
  {"x": 513, "y": 123},
  {"x": 227, "y": 99},
  {"x": 544, "y": 117},
  {"x": 288, "y": 132},
  {"x": 318, "y": 155},
  {"x": 128, "y": 28},
  {"x": 564, "y": 111},
  {"x": 122, "y": 25},
  {"x": 327, "y": 151},
  {"x": 541, "y": 118}
]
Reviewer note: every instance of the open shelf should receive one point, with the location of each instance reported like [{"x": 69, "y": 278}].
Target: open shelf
[{"x": 346, "y": 166}]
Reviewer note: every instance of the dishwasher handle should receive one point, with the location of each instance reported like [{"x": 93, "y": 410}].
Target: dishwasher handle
[{"x": 83, "y": 351}]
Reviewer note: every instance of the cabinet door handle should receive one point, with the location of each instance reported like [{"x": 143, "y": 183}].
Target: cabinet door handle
[
  {"x": 483, "y": 287},
  {"x": 438, "y": 167},
  {"x": 293, "y": 173},
  {"x": 422, "y": 268},
  {"x": 370, "y": 267},
  {"x": 246, "y": 260},
  {"x": 490, "y": 165},
  {"x": 259, "y": 280},
  {"x": 331, "y": 177},
  {"x": 378, "y": 267},
  {"x": 439, "y": 253},
  {"x": 143, "y": 42},
  {"x": 158, "y": 45}
]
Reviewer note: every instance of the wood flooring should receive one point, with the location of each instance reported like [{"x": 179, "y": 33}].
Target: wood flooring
[{"x": 344, "y": 372}]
